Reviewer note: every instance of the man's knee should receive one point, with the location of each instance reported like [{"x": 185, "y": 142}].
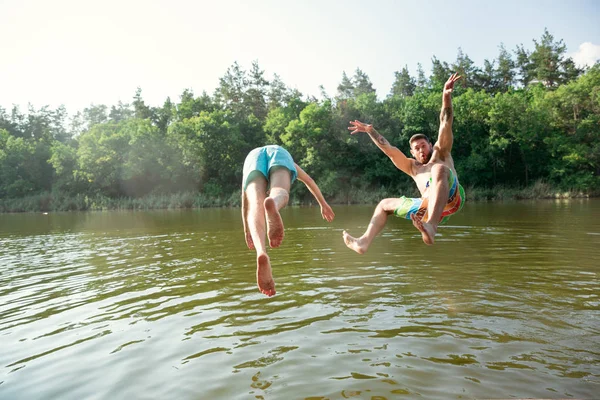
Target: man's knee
[
  {"x": 387, "y": 205},
  {"x": 440, "y": 172}
]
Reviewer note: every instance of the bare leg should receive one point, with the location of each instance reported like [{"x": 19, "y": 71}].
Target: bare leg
[
  {"x": 438, "y": 196},
  {"x": 376, "y": 225},
  {"x": 256, "y": 193},
  {"x": 278, "y": 198},
  {"x": 247, "y": 234}
]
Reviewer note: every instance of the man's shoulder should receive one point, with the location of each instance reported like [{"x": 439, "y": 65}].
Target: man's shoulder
[{"x": 414, "y": 167}]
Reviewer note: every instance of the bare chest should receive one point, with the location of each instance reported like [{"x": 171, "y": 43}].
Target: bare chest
[{"x": 422, "y": 176}]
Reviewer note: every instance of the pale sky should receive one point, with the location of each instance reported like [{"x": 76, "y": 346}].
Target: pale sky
[{"x": 79, "y": 52}]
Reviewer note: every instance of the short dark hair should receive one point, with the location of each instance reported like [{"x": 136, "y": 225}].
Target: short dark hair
[{"x": 417, "y": 137}]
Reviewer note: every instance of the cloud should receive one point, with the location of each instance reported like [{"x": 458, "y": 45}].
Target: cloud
[{"x": 587, "y": 55}]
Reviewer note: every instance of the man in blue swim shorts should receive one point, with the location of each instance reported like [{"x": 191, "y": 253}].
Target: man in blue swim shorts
[
  {"x": 269, "y": 172},
  {"x": 432, "y": 169}
]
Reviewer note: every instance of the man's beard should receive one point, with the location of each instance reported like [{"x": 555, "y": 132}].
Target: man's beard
[{"x": 427, "y": 157}]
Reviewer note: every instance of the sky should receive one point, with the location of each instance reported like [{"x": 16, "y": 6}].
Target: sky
[{"x": 77, "y": 53}]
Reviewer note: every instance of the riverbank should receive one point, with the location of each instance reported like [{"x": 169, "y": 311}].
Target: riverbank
[{"x": 47, "y": 202}]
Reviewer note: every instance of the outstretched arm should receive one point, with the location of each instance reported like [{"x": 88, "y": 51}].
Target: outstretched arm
[
  {"x": 326, "y": 210},
  {"x": 401, "y": 162},
  {"x": 445, "y": 137}
]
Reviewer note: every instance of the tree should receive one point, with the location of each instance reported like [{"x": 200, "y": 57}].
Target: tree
[
  {"x": 422, "y": 81},
  {"x": 362, "y": 83},
  {"x": 505, "y": 70},
  {"x": 232, "y": 88},
  {"x": 345, "y": 88},
  {"x": 475, "y": 161},
  {"x": 549, "y": 64},
  {"x": 140, "y": 109},
  {"x": 570, "y": 70},
  {"x": 524, "y": 65},
  {"x": 23, "y": 167},
  {"x": 63, "y": 159},
  {"x": 190, "y": 106},
  {"x": 257, "y": 91},
  {"x": 211, "y": 149},
  {"x": 101, "y": 156},
  {"x": 404, "y": 84},
  {"x": 575, "y": 144},
  {"x": 279, "y": 94},
  {"x": 518, "y": 123},
  {"x": 163, "y": 116},
  {"x": 120, "y": 112},
  {"x": 147, "y": 161},
  {"x": 307, "y": 137},
  {"x": 279, "y": 118},
  {"x": 440, "y": 72},
  {"x": 547, "y": 59},
  {"x": 466, "y": 68},
  {"x": 94, "y": 115},
  {"x": 486, "y": 78}
]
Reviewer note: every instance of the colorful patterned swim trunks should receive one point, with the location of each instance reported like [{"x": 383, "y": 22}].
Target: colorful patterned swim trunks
[
  {"x": 262, "y": 159},
  {"x": 418, "y": 207}
]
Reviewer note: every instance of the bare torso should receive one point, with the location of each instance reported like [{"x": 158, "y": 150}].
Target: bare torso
[{"x": 422, "y": 172}]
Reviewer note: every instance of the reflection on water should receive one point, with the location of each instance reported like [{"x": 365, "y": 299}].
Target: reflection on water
[{"x": 165, "y": 305}]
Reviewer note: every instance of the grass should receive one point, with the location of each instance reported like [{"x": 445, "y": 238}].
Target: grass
[
  {"x": 45, "y": 202},
  {"x": 81, "y": 202},
  {"x": 539, "y": 190}
]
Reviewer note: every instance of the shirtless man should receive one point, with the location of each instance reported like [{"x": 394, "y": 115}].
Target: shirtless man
[
  {"x": 269, "y": 171},
  {"x": 433, "y": 171}
]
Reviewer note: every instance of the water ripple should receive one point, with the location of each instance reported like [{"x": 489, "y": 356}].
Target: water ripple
[{"x": 498, "y": 310}]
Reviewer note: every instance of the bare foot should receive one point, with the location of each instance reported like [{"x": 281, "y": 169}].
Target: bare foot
[
  {"x": 354, "y": 243},
  {"x": 427, "y": 230},
  {"x": 274, "y": 223},
  {"x": 264, "y": 276}
]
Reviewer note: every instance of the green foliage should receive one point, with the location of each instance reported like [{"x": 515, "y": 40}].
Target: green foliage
[
  {"x": 505, "y": 71},
  {"x": 63, "y": 160},
  {"x": 404, "y": 85},
  {"x": 440, "y": 71},
  {"x": 420, "y": 114},
  {"x": 524, "y": 127},
  {"x": 307, "y": 136},
  {"x": 575, "y": 147},
  {"x": 146, "y": 164},
  {"x": 101, "y": 157},
  {"x": 23, "y": 166},
  {"x": 212, "y": 147}
]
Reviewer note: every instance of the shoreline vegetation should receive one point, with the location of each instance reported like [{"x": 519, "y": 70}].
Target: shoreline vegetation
[
  {"x": 526, "y": 126},
  {"x": 48, "y": 202}
]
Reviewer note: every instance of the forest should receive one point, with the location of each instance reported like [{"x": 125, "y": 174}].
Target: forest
[{"x": 527, "y": 125}]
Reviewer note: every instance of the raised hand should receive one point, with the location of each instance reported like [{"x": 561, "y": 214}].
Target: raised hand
[
  {"x": 449, "y": 85},
  {"x": 357, "y": 126}
]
